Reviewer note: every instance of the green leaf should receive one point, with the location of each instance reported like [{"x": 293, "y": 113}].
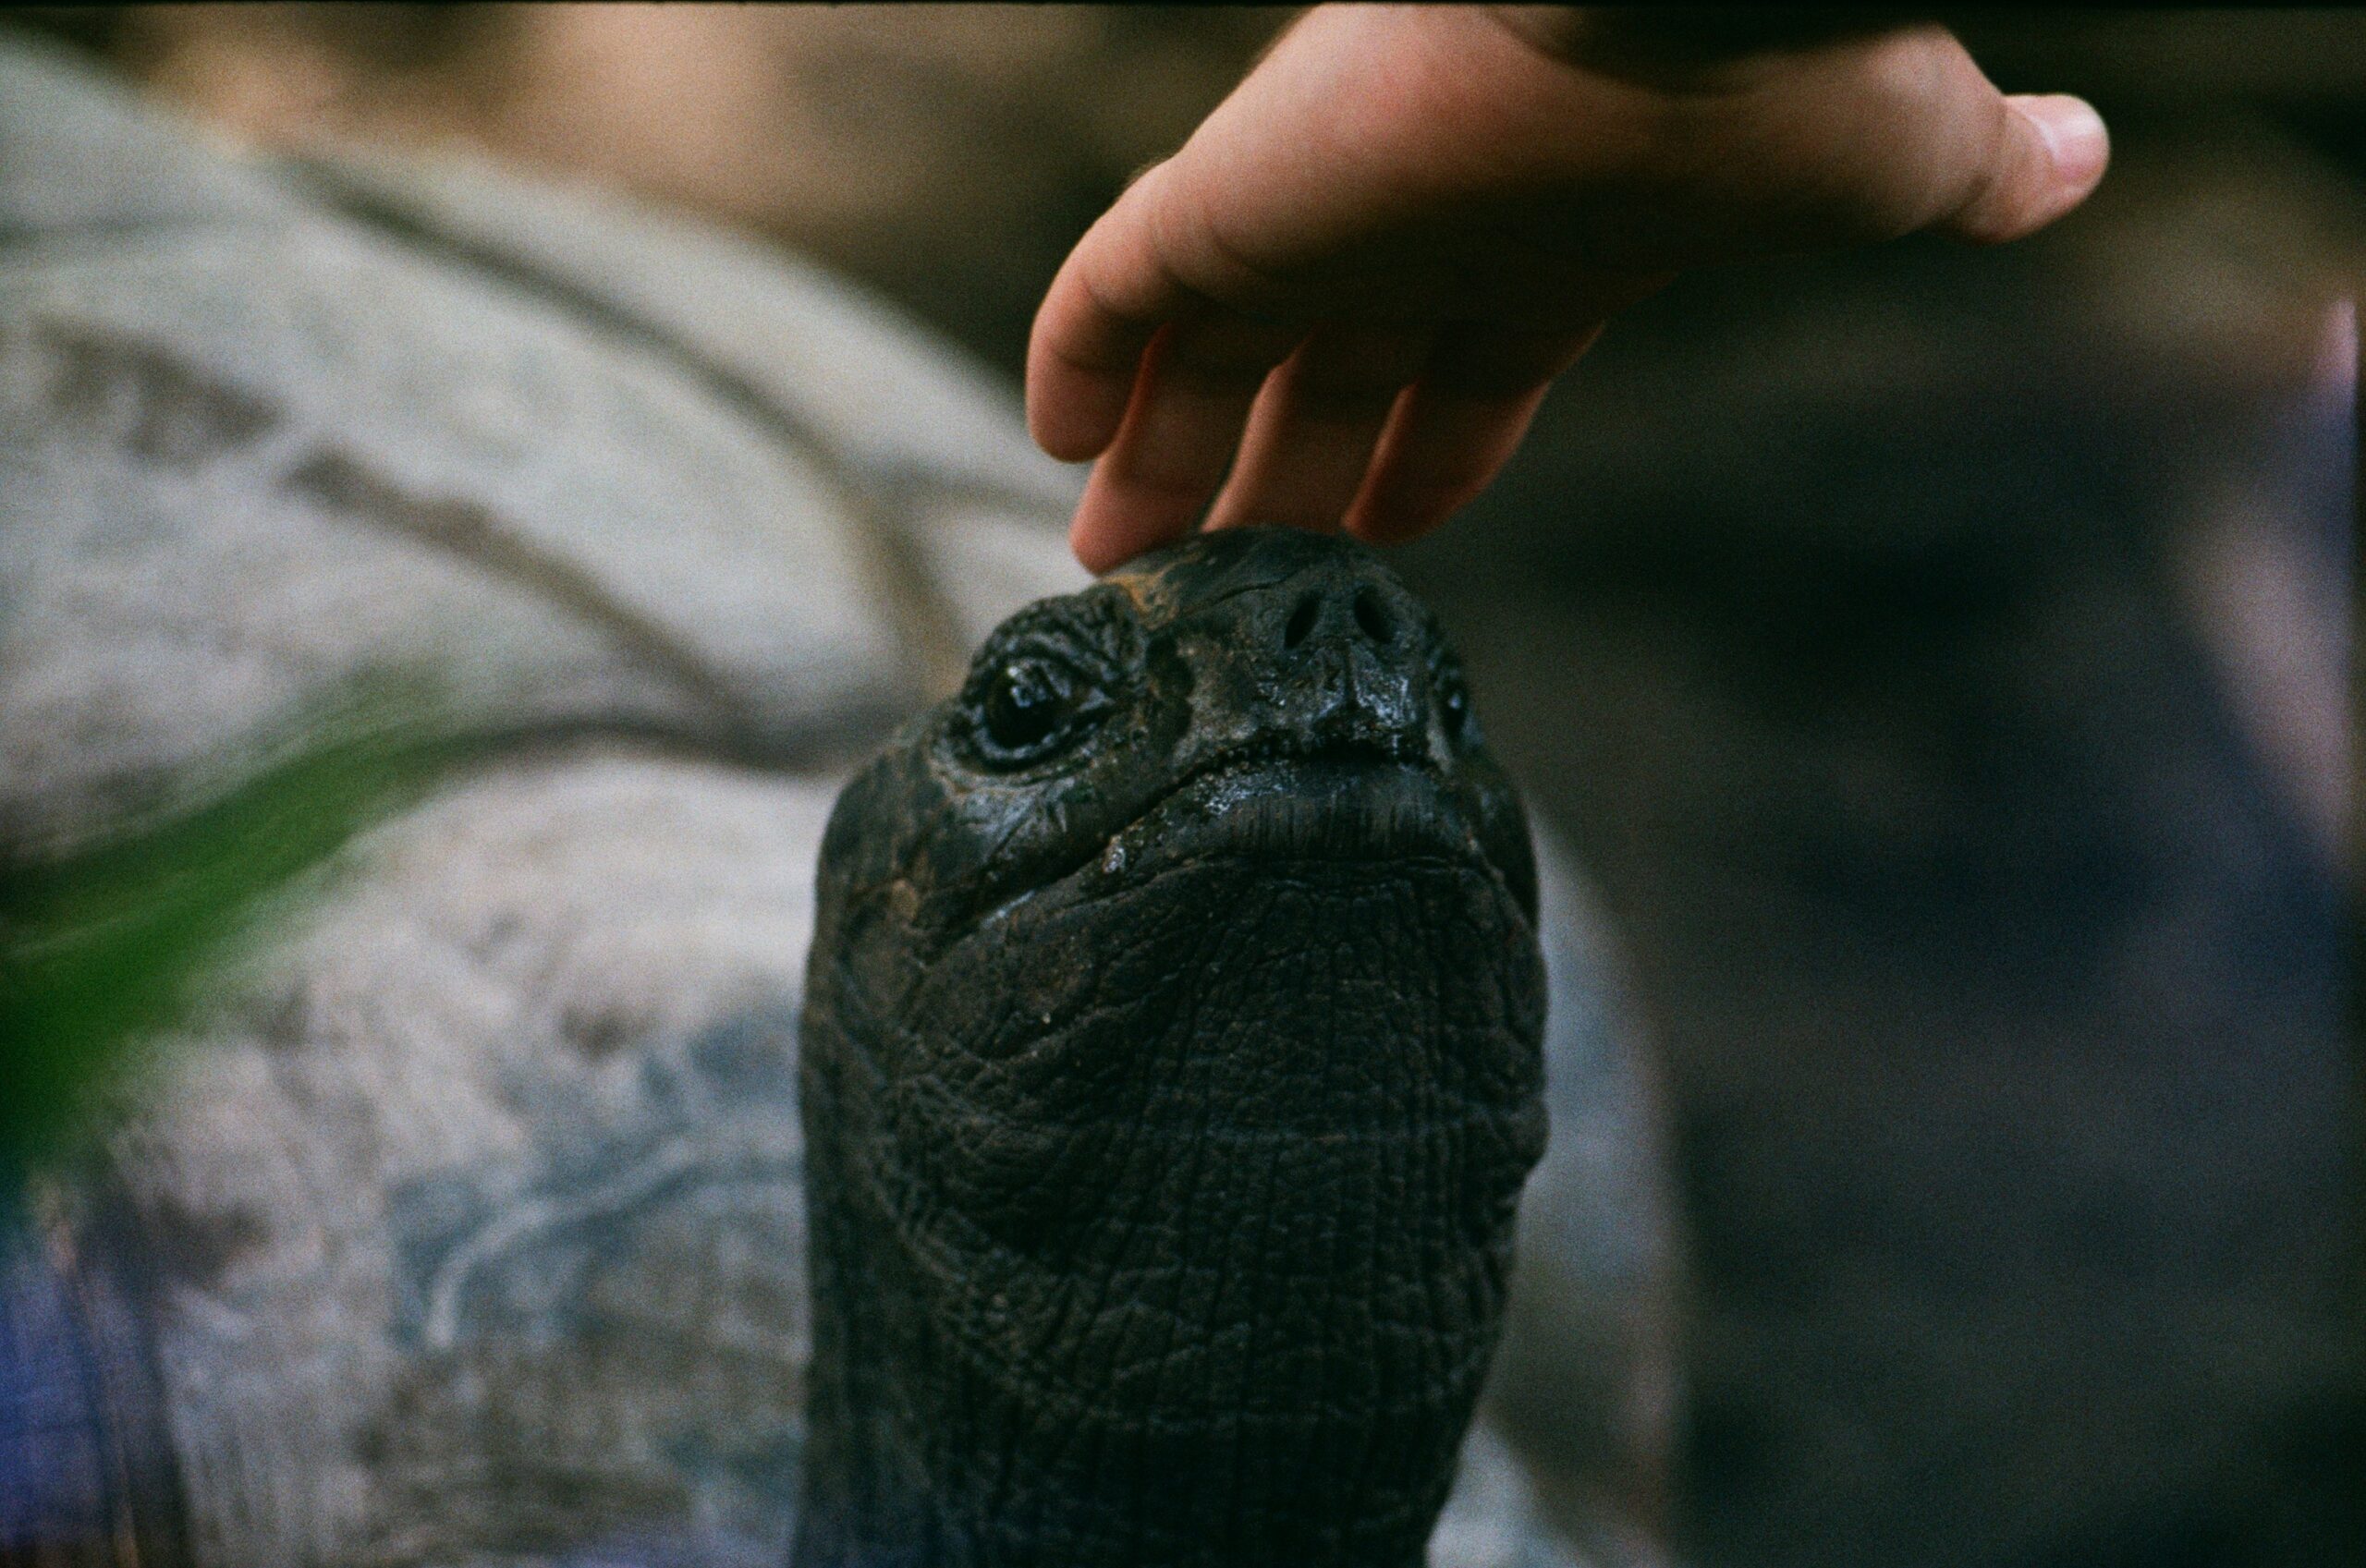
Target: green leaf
[{"x": 101, "y": 946}]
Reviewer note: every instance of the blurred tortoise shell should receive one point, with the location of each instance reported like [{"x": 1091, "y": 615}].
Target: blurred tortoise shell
[{"x": 461, "y": 1223}]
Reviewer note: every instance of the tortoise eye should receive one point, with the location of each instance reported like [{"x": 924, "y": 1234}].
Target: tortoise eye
[
  {"x": 1022, "y": 708},
  {"x": 1033, "y": 707}
]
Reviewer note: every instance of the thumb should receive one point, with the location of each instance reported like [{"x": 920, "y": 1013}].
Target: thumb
[{"x": 2048, "y": 155}]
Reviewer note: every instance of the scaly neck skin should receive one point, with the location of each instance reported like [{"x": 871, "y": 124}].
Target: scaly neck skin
[{"x": 1206, "y": 1273}]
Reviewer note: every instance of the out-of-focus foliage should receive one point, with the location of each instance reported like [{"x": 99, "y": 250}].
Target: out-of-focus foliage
[{"x": 102, "y": 945}]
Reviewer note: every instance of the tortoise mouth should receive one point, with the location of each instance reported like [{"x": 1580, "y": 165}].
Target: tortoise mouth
[{"x": 1357, "y": 802}]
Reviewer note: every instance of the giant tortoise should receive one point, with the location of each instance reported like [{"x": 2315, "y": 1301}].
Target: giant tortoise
[{"x": 460, "y": 1222}]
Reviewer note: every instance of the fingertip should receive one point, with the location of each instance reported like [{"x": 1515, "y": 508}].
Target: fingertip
[
  {"x": 1096, "y": 544},
  {"x": 1094, "y": 552},
  {"x": 1397, "y": 519},
  {"x": 2051, "y": 158},
  {"x": 1115, "y": 522},
  {"x": 2077, "y": 141},
  {"x": 1100, "y": 547}
]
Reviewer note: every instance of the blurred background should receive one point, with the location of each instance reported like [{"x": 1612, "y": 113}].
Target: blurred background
[{"x": 1939, "y": 658}]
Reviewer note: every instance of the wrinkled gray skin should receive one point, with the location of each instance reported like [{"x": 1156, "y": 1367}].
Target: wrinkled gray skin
[{"x": 1170, "y": 1071}]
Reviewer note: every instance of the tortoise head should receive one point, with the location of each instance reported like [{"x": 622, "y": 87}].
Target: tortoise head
[{"x": 1171, "y": 1068}]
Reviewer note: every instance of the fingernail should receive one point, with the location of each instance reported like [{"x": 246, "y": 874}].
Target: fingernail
[{"x": 2074, "y": 133}]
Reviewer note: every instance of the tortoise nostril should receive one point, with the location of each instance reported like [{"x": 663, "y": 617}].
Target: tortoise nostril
[
  {"x": 1301, "y": 621},
  {"x": 1374, "y": 617}
]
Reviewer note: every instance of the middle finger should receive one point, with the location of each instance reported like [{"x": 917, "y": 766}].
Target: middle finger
[
  {"x": 1190, "y": 401},
  {"x": 1313, "y": 428}
]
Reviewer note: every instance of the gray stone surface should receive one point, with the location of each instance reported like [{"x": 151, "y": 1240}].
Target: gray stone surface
[
  {"x": 215, "y": 459},
  {"x": 834, "y": 363},
  {"x": 81, "y": 156},
  {"x": 1587, "y": 1381},
  {"x": 481, "y": 1193},
  {"x": 988, "y": 555},
  {"x": 1493, "y": 1519}
]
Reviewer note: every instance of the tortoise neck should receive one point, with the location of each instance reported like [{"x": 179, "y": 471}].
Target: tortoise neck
[
  {"x": 1205, "y": 1267},
  {"x": 922, "y": 1452}
]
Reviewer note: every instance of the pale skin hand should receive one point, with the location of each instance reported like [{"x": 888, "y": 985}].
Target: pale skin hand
[{"x": 1340, "y": 304}]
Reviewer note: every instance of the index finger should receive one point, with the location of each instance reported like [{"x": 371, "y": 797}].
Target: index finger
[{"x": 1097, "y": 320}]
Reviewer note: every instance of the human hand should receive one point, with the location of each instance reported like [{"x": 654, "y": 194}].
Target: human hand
[{"x": 1343, "y": 300}]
